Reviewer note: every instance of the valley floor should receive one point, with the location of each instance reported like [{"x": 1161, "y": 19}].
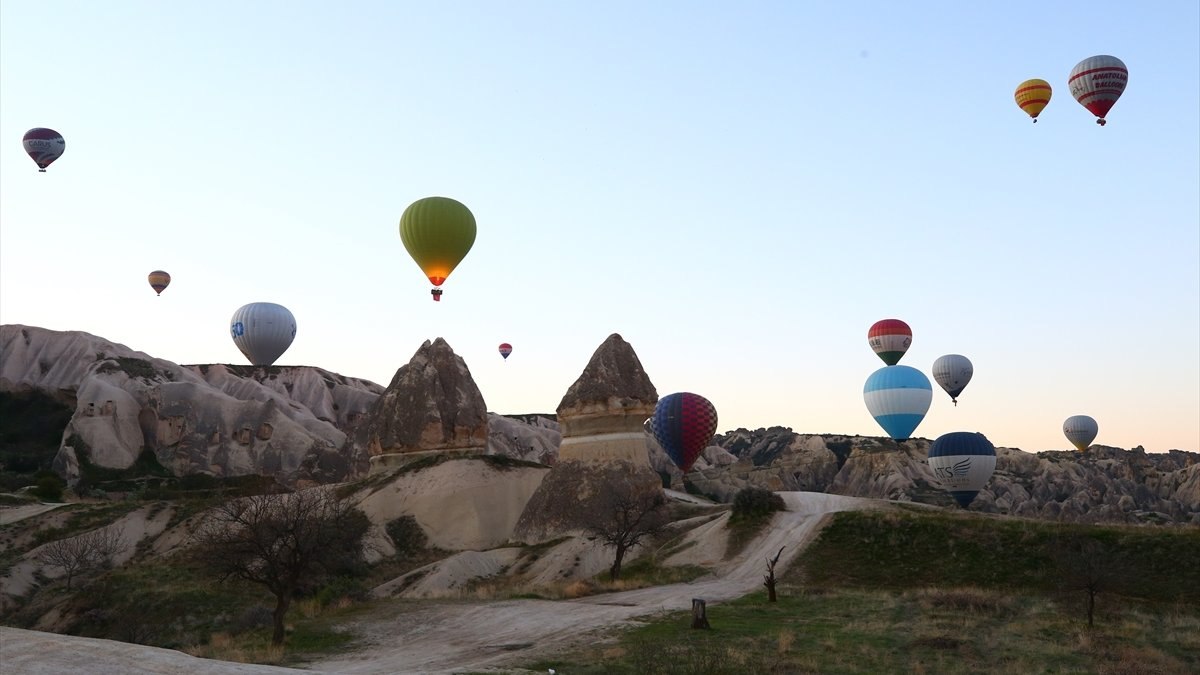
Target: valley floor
[{"x": 444, "y": 637}]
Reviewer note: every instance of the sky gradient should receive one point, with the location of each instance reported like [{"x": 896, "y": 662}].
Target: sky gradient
[{"x": 739, "y": 189}]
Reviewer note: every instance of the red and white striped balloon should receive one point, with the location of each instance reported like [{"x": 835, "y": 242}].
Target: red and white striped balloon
[{"x": 1097, "y": 82}]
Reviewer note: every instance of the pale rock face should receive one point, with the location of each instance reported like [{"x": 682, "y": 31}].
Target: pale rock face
[
  {"x": 431, "y": 405},
  {"x": 460, "y": 504},
  {"x": 331, "y": 398},
  {"x": 203, "y": 419},
  {"x": 535, "y": 438}
]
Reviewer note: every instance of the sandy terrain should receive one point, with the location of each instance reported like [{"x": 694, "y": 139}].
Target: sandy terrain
[
  {"x": 453, "y": 636},
  {"x": 12, "y": 514}
]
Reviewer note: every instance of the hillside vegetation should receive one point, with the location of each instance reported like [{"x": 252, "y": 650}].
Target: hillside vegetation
[{"x": 927, "y": 591}]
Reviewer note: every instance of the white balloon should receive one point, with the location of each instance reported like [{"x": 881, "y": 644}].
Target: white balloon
[
  {"x": 952, "y": 372},
  {"x": 1081, "y": 430},
  {"x": 263, "y": 331}
]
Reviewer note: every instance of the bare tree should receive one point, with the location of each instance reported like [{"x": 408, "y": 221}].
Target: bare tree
[
  {"x": 1085, "y": 564},
  {"x": 282, "y": 542},
  {"x": 84, "y": 553},
  {"x": 623, "y": 517},
  {"x": 769, "y": 577}
]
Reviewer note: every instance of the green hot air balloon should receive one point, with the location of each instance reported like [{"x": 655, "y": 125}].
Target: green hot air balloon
[{"x": 437, "y": 232}]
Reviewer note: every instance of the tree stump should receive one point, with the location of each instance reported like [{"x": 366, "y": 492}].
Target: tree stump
[{"x": 699, "y": 614}]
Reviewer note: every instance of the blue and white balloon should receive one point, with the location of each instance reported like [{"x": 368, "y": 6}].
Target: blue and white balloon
[
  {"x": 263, "y": 331},
  {"x": 898, "y": 398},
  {"x": 962, "y": 462}
]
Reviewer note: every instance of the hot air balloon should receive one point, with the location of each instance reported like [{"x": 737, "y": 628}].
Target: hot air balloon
[
  {"x": 1032, "y": 96},
  {"x": 44, "y": 146},
  {"x": 953, "y": 372},
  {"x": 1097, "y": 82},
  {"x": 505, "y": 350},
  {"x": 1081, "y": 430},
  {"x": 898, "y": 398},
  {"x": 262, "y": 331},
  {"x": 963, "y": 462},
  {"x": 890, "y": 338},
  {"x": 159, "y": 280},
  {"x": 437, "y": 232},
  {"x": 683, "y": 424}
]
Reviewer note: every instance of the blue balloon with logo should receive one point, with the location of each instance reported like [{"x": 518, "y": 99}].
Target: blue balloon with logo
[
  {"x": 898, "y": 398},
  {"x": 962, "y": 462}
]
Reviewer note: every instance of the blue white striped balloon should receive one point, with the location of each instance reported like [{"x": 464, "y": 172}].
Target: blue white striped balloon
[{"x": 898, "y": 398}]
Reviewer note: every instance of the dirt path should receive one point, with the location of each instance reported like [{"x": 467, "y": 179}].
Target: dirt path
[
  {"x": 453, "y": 637},
  {"x": 447, "y": 637},
  {"x": 12, "y": 514}
]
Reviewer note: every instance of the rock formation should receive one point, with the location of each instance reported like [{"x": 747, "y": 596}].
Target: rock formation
[
  {"x": 304, "y": 425},
  {"x": 432, "y": 406},
  {"x": 533, "y": 438},
  {"x": 219, "y": 420},
  {"x": 603, "y": 447},
  {"x": 461, "y": 504},
  {"x": 1104, "y": 484}
]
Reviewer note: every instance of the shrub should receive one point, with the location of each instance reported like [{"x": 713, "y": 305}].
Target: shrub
[
  {"x": 49, "y": 487},
  {"x": 407, "y": 536},
  {"x": 754, "y": 503},
  {"x": 251, "y": 618}
]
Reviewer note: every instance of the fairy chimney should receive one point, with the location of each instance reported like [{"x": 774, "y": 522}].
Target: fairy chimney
[
  {"x": 603, "y": 444},
  {"x": 432, "y": 406}
]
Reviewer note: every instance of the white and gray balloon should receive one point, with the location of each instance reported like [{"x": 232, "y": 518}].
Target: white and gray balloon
[
  {"x": 953, "y": 372},
  {"x": 263, "y": 331},
  {"x": 1081, "y": 430}
]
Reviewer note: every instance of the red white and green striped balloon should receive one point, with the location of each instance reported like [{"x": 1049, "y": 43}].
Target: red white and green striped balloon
[{"x": 890, "y": 338}]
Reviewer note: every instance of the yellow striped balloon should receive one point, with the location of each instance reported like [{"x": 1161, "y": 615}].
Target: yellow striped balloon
[{"x": 1032, "y": 96}]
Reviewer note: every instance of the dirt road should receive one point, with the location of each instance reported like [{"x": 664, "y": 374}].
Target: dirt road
[
  {"x": 453, "y": 637},
  {"x": 448, "y": 637}
]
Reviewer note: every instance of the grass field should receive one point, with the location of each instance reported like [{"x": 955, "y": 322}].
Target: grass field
[{"x": 920, "y": 591}]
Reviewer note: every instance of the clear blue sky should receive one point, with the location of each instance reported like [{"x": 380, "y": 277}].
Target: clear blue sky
[{"x": 738, "y": 189}]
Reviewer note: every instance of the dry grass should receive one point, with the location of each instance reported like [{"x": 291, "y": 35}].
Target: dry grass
[
  {"x": 223, "y": 647},
  {"x": 967, "y": 599},
  {"x": 786, "y": 639},
  {"x": 932, "y": 631}
]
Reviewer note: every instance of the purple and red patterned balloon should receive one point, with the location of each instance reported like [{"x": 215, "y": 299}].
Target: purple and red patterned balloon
[
  {"x": 683, "y": 424},
  {"x": 43, "y": 146}
]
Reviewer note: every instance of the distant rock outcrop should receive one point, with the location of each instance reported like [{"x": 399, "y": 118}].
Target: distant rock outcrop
[
  {"x": 431, "y": 406},
  {"x": 219, "y": 420},
  {"x": 603, "y": 445},
  {"x": 533, "y": 438},
  {"x": 1104, "y": 484}
]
